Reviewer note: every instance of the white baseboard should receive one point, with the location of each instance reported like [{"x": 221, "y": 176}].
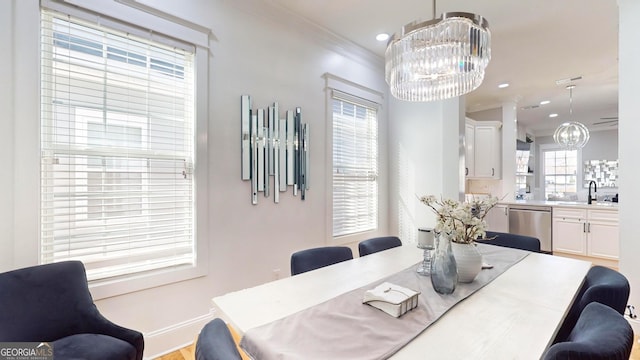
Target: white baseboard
[{"x": 171, "y": 338}]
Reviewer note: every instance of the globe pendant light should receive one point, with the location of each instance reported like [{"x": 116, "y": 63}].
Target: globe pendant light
[
  {"x": 438, "y": 59},
  {"x": 571, "y": 135}
]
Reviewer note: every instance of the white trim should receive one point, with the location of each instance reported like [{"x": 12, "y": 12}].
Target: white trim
[
  {"x": 375, "y": 98},
  {"x": 174, "y": 337},
  {"x": 159, "y": 22},
  {"x": 110, "y": 288},
  {"x": 551, "y": 147},
  {"x": 347, "y": 87}
]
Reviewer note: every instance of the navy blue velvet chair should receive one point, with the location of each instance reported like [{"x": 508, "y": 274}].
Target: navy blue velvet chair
[
  {"x": 311, "y": 259},
  {"x": 216, "y": 343},
  {"x": 601, "y": 333},
  {"x": 513, "y": 241},
  {"x": 52, "y": 303},
  {"x": 602, "y": 285},
  {"x": 374, "y": 245}
]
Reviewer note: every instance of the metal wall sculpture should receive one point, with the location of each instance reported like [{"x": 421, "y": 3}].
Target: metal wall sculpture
[{"x": 274, "y": 148}]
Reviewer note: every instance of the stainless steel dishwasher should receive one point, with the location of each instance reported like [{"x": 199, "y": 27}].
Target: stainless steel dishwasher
[{"x": 533, "y": 221}]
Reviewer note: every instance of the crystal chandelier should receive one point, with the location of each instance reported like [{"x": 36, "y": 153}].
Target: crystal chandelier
[
  {"x": 571, "y": 135},
  {"x": 438, "y": 59}
]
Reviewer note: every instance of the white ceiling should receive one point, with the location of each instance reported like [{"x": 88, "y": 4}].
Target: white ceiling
[{"x": 534, "y": 43}]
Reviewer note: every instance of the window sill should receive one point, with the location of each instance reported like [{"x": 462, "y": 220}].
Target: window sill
[{"x": 102, "y": 289}]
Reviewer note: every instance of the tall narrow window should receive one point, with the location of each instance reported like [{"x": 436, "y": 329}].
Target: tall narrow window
[
  {"x": 117, "y": 131},
  {"x": 355, "y": 165},
  {"x": 560, "y": 174}
]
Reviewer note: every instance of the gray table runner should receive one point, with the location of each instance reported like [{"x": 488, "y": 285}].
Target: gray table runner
[{"x": 344, "y": 328}]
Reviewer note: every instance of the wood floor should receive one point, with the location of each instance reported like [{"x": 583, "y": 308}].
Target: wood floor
[{"x": 188, "y": 353}]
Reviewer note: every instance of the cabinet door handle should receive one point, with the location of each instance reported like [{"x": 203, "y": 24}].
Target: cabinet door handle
[
  {"x": 588, "y": 227},
  {"x": 506, "y": 211},
  {"x": 466, "y": 171},
  {"x": 493, "y": 172},
  {"x": 584, "y": 227}
]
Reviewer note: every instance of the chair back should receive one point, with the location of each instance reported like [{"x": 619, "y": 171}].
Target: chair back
[
  {"x": 377, "y": 244},
  {"x": 513, "y": 241},
  {"x": 601, "y": 333},
  {"x": 52, "y": 303},
  {"x": 311, "y": 259},
  {"x": 602, "y": 285},
  {"x": 216, "y": 343},
  {"x": 45, "y": 302}
]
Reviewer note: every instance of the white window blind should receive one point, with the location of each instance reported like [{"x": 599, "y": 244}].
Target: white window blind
[
  {"x": 560, "y": 174},
  {"x": 355, "y": 165},
  {"x": 117, "y": 150}
]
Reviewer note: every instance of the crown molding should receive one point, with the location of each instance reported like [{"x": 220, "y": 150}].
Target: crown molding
[{"x": 284, "y": 17}]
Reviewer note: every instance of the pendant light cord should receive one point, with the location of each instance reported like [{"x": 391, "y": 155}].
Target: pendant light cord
[
  {"x": 571, "y": 103},
  {"x": 570, "y": 87},
  {"x": 434, "y": 9}
]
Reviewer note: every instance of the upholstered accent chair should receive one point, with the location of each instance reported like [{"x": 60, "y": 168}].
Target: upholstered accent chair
[
  {"x": 52, "y": 303},
  {"x": 315, "y": 258},
  {"x": 601, "y": 333},
  {"x": 513, "y": 241},
  {"x": 215, "y": 342},
  {"x": 602, "y": 285},
  {"x": 377, "y": 244}
]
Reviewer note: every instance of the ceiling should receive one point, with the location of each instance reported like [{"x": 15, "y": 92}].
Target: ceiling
[{"x": 534, "y": 43}]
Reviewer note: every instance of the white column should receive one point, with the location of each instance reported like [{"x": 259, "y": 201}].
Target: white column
[
  {"x": 6, "y": 136},
  {"x": 453, "y": 154},
  {"x": 509, "y": 135},
  {"x": 26, "y": 166},
  {"x": 628, "y": 144}
]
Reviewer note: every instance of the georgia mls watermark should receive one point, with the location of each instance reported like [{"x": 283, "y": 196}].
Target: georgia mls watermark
[{"x": 26, "y": 351}]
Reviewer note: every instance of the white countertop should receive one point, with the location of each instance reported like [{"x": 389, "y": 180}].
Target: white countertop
[{"x": 605, "y": 205}]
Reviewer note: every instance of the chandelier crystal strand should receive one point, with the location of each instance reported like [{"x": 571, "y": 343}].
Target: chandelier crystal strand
[{"x": 438, "y": 59}]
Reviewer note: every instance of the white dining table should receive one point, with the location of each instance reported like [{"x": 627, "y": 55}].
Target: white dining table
[{"x": 516, "y": 316}]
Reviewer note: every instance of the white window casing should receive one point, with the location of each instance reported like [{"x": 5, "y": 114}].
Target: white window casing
[
  {"x": 355, "y": 164},
  {"x": 120, "y": 179}
]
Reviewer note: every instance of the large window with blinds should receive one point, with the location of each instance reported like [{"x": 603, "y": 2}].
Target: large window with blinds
[
  {"x": 355, "y": 165},
  {"x": 117, "y": 150},
  {"x": 560, "y": 174}
]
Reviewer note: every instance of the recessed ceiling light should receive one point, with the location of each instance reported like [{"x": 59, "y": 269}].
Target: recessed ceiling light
[
  {"x": 382, "y": 37},
  {"x": 553, "y": 115},
  {"x": 544, "y": 102},
  {"x": 503, "y": 85}
]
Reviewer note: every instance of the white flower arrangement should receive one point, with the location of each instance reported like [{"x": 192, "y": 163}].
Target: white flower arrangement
[{"x": 464, "y": 221}]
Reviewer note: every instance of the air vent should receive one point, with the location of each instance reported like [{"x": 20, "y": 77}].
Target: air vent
[
  {"x": 530, "y": 107},
  {"x": 568, "y": 80}
]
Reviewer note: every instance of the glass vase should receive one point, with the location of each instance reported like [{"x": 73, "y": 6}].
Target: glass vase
[{"x": 444, "y": 273}]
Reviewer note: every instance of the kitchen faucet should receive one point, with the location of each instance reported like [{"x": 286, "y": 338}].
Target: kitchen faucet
[{"x": 595, "y": 190}]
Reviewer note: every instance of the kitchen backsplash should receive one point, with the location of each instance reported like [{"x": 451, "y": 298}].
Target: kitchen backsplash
[{"x": 490, "y": 187}]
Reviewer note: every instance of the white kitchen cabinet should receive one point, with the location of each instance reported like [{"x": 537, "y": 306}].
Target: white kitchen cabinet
[
  {"x": 498, "y": 219},
  {"x": 569, "y": 235},
  {"x": 586, "y": 232},
  {"x": 603, "y": 234},
  {"x": 483, "y": 149},
  {"x": 469, "y": 134}
]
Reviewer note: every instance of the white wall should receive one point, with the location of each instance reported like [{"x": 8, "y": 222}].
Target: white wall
[
  {"x": 255, "y": 50},
  {"x": 629, "y": 146},
  {"x": 602, "y": 145},
  {"x": 423, "y": 160},
  {"x": 6, "y": 135}
]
